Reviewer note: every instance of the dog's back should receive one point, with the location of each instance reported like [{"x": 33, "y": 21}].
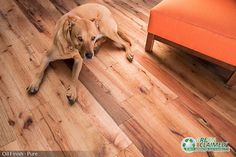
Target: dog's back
[{"x": 91, "y": 11}]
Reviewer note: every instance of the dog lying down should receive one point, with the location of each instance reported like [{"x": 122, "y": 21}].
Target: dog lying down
[{"x": 77, "y": 35}]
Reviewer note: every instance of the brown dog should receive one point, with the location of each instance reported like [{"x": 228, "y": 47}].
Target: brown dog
[{"x": 77, "y": 34}]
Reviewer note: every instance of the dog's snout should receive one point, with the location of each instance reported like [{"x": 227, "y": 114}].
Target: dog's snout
[{"x": 88, "y": 55}]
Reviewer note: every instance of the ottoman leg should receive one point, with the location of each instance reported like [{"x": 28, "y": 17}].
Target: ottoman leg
[
  {"x": 232, "y": 79},
  {"x": 149, "y": 42}
]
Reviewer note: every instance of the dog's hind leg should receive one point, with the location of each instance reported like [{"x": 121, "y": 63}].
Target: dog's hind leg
[
  {"x": 109, "y": 28},
  {"x": 127, "y": 46},
  {"x": 124, "y": 37}
]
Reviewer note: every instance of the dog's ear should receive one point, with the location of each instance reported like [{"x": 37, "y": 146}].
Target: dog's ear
[
  {"x": 67, "y": 27},
  {"x": 70, "y": 22},
  {"x": 95, "y": 21}
]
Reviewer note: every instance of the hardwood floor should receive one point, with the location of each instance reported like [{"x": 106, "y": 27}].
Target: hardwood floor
[{"x": 138, "y": 109}]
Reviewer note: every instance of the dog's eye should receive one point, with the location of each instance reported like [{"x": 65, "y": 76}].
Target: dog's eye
[
  {"x": 93, "y": 38},
  {"x": 80, "y": 38}
]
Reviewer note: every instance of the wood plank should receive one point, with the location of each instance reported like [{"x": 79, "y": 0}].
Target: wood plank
[
  {"x": 103, "y": 96},
  {"x": 56, "y": 126},
  {"x": 131, "y": 151},
  {"x": 198, "y": 125},
  {"x": 148, "y": 133},
  {"x": 97, "y": 114},
  {"x": 225, "y": 105},
  {"x": 178, "y": 64},
  {"x": 133, "y": 12},
  {"x": 191, "y": 100},
  {"x": 108, "y": 81},
  {"x": 6, "y": 133},
  {"x": 18, "y": 111},
  {"x": 105, "y": 99},
  {"x": 13, "y": 89},
  {"x": 153, "y": 122},
  {"x": 13, "y": 146},
  {"x": 186, "y": 72},
  {"x": 153, "y": 99},
  {"x": 143, "y": 140},
  {"x": 136, "y": 78}
]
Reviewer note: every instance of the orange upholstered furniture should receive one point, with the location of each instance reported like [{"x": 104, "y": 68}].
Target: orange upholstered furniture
[{"x": 207, "y": 28}]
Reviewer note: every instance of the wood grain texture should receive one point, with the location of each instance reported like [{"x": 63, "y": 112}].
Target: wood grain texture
[
  {"x": 103, "y": 96},
  {"x": 6, "y": 132},
  {"x": 131, "y": 151},
  {"x": 144, "y": 108},
  {"x": 13, "y": 146},
  {"x": 47, "y": 116}
]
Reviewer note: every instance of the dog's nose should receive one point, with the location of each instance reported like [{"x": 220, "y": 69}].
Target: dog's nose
[{"x": 88, "y": 55}]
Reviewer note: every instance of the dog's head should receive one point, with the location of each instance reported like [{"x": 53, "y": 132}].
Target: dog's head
[{"x": 82, "y": 34}]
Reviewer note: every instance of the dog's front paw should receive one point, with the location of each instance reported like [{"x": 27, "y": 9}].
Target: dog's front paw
[
  {"x": 71, "y": 95},
  {"x": 32, "y": 89},
  {"x": 130, "y": 57}
]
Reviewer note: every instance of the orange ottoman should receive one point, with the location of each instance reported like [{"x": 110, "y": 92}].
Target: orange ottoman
[{"x": 207, "y": 28}]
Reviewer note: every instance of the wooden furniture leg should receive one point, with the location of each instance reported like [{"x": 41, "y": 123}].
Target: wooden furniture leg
[
  {"x": 232, "y": 79},
  {"x": 149, "y": 42}
]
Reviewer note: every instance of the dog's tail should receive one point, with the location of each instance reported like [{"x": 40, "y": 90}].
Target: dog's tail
[{"x": 124, "y": 37}]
